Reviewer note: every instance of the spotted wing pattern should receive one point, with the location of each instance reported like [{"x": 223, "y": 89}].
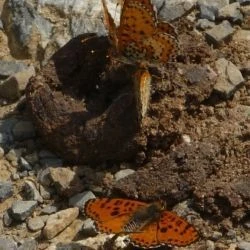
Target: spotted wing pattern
[
  {"x": 111, "y": 215},
  {"x": 123, "y": 215}
]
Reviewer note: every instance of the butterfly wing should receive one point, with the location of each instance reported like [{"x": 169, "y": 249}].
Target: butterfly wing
[
  {"x": 142, "y": 84},
  {"x": 137, "y": 21},
  {"x": 109, "y": 25},
  {"x": 111, "y": 215},
  {"x": 147, "y": 238},
  {"x": 159, "y": 47},
  {"x": 165, "y": 27},
  {"x": 175, "y": 231}
]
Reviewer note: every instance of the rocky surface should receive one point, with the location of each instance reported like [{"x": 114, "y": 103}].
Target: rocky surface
[{"x": 74, "y": 135}]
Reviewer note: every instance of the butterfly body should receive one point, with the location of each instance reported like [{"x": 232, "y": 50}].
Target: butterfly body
[{"x": 147, "y": 225}]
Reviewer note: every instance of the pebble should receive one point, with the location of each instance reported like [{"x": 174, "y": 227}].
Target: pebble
[
  {"x": 123, "y": 173},
  {"x": 13, "y": 155},
  {"x": 70, "y": 232},
  {"x": 35, "y": 224},
  {"x": 66, "y": 181},
  {"x": 31, "y": 192},
  {"x": 57, "y": 222},
  {"x": 43, "y": 177},
  {"x": 231, "y": 12},
  {"x": 13, "y": 87},
  {"x": 20, "y": 210},
  {"x": 216, "y": 235},
  {"x": 6, "y": 243},
  {"x": 49, "y": 210},
  {"x": 24, "y": 164},
  {"x": 244, "y": 245},
  {"x": 209, "y": 8},
  {"x": 89, "y": 227},
  {"x": 8, "y": 68},
  {"x": 29, "y": 244},
  {"x": 219, "y": 32},
  {"x": 80, "y": 199},
  {"x": 46, "y": 192},
  {"x": 6, "y": 190},
  {"x": 23, "y": 130},
  {"x": 204, "y": 24},
  {"x": 210, "y": 245},
  {"x": 229, "y": 78},
  {"x": 7, "y": 220}
]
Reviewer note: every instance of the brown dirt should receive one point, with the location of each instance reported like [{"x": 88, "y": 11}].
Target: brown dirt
[{"x": 82, "y": 103}]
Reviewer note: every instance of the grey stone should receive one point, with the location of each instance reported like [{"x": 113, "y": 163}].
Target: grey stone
[
  {"x": 231, "y": 234},
  {"x": 231, "y": 12},
  {"x": 24, "y": 164},
  {"x": 209, "y": 8},
  {"x": 216, "y": 235},
  {"x": 204, "y": 24},
  {"x": 7, "y": 220},
  {"x": 13, "y": 87},
  {"x": 210, "y": 245},
  {"x": 173, "y": 10},
  {"x": 229, "y": 78},
  {"x": 23, "y": 130},
  {"x": 43, "y": 177},
  {"x": 46, "y": 192},
  {"x": 29, "y": 244},
  {"x": 244, "y": 245},
  {"x": 219, "y": 32},
  {"x": 32, "y": 158},
  {"x": 20, "y": 210},
  {"x": 35, "y": 224},
  {"x": 6, "y": 190},
  {"x": 123, "y": 173},
  {"x": 1, "y": 25},
  {"x": 13, "y": 155},
  {"x": 6, "y": 137},
  {"x": 25, "y": 28},
  {"x": 80, "y": 199},
  {"x": 8, "y": 68},
  {"x": 49, "y": 209},
  {"x": 31, "y": 192},
  {"x": 6, "y": 243},
  {"x": 89, "y": 227}
]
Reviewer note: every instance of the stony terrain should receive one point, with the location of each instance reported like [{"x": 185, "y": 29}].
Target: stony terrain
[{"x": 192, "y": 150}]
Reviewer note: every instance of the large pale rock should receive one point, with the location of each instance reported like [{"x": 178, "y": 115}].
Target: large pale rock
[{"x": 57, "y": 222}]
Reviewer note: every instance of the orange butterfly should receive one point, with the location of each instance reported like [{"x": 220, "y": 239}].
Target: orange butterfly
[
  {"x": 141, "y": 38},
  {"x": 147, "y": 225}
]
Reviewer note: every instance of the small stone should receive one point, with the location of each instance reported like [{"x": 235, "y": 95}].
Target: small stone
[
  {"x": 80, "y": 199},
  {"x": 209, "y": 8},
  {"x": 216, "y": 235},
  {"x": 123, "y": 173},
  {"x": 23, "y": 130},
  {"x": 231, "y": 12},
  {"x": 43, "y": 177},
  {"x": 70, "y": 232},
  {"x": 6, "y": 243},
  {"x": 35, "y": 224},
  {"x": 1, "y": 153},
  {"x": 8, "y": 68},
  {"x": 6, "y": 190},
  {"x": 66, "y": 181},
  {"x": 24, "y": 164},
  {"x": 89, "y": 227},
  {"x": 242, "y": 35},
  {"x": 13, "y": 87},
  {"x": 57, "y": 222},
  {"x": 204, "y": 24},
  {"x": 20, "y": 210},
  {"x": 219, "y": 32},
  {"x": 29, "y": 244},
  {"x": 49, "y": 210},
  {"x": 229, "y": 78},
  {"x": 31, "y": 192},
  {"x": 210, "y": 245},
  {"x": 46, "y": 192},
  {"x": 7, "y": 220},
  {"x": 244, "y": 245},
  {"x": 15, "y": 176},
  {"x": 32, "y": 158},
  {"x": 13, "y": 155},
  {"x": 231, "y": 234}
]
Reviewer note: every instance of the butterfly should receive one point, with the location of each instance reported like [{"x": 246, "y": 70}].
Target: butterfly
[
  {"x": 140, "y": 37},
  {"x": 147, "y": 225}
]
